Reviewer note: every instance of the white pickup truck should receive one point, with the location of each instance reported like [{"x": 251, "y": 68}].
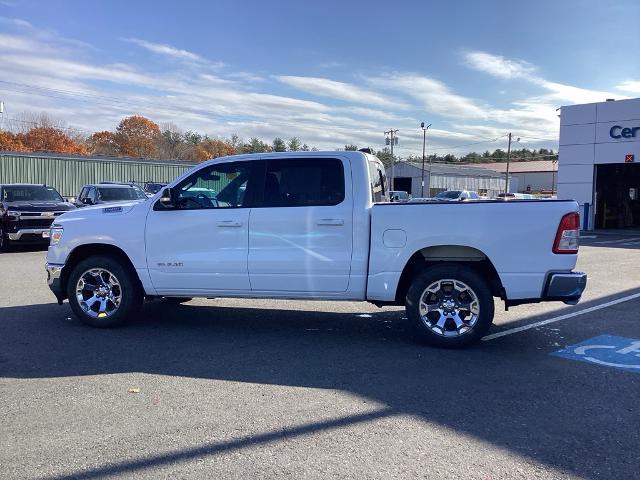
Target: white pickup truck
[{"x": 315, "y": 225}]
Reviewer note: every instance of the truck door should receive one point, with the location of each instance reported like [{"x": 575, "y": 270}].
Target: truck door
[
  {"x": 301, "y": 236},
  {"x": 201, "y": 245}
]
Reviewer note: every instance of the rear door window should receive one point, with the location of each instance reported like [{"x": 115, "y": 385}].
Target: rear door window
[
  {"x": 377, "y": 181},
  {"x": 304, "y": 182}
]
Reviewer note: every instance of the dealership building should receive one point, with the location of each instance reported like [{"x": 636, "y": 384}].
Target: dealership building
[{"x": 599, "y": 162}]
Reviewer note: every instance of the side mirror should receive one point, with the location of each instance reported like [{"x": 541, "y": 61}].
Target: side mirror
[
  {"x": 166, "y": 199},
  {"x": 87, "y": 201}
]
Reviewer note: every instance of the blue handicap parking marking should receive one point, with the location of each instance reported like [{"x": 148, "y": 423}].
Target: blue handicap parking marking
[{"x": 607, "y": 350}]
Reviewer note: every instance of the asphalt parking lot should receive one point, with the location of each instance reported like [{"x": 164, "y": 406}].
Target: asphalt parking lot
[{"x": 255, "y": 389}]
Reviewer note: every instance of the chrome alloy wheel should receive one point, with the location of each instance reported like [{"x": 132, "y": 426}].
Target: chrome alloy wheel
[
  {"x": 99, "y": 293},
  {"x": 449, "y": 308}
]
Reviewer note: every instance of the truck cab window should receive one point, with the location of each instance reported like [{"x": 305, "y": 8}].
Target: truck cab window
[
  {"x": 304, "y": 183},
  {"x": 217, "y": 186},
  {"x": 377, "y": 180}
]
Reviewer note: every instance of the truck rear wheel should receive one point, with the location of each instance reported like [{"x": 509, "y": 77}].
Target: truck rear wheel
[
  {"x": 102, "y": 292},
  {"x": 449, "y": 305}
]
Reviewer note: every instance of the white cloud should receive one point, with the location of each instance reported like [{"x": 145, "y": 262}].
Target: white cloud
[
  {"x": 338, "y": 90},
  {"x": 433, "y": 95},
  {"x": 631, "y": 86},
  {"x": 507, "y": 68},
  {"x": 168, "y": 50},
  {"x": 497, "y": 65},
  {"x": 559, "y": 92}
]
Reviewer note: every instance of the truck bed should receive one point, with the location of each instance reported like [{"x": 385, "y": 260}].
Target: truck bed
[{"x": 516, "y": 236}]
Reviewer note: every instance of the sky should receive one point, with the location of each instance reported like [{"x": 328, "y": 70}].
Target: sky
[{"x": 329, "y": 72}]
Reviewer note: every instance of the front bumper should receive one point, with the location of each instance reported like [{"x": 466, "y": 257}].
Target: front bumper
[
  {"x": 54, "y": 280},
  {"x": 30, "y": 234}
]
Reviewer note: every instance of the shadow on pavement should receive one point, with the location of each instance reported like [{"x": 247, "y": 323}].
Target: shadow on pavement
[{"x": 567, "y": 416}]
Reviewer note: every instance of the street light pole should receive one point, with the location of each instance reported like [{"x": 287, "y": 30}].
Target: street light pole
[{"x": 424, "y": 142}]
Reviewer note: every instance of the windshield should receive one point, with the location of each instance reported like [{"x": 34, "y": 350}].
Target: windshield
[
  {"x": 449, "y": 194},
  {"x": 30, "y": 193},
  {"x": 154, "y": 187},
  {"x": 114, "y": 194}
]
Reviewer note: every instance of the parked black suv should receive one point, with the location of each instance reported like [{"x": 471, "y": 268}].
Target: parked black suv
[
  {"x": 109, "y": 192},
  {"x": 27, "y": 211}
]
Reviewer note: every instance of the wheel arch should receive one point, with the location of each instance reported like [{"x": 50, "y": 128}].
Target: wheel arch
[
  {"x": 461, "y": 254},
  {"x": 90, "y": 249}
]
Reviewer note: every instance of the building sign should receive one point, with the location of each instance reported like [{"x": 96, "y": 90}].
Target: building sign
[
  {"x": 629, "y": 158},
  {"x": 618, "y": 131}
]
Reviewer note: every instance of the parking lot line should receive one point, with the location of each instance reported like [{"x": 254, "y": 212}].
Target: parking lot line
[{"x": 561, "y": 317}]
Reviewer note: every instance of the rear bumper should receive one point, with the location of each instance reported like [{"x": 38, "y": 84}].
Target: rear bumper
[
  {"x": 564, "y": 287},
  {"x": 54, "y": 274}
]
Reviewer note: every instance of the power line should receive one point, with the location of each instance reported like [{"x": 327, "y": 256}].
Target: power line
[{"x": 451, "y": 147}]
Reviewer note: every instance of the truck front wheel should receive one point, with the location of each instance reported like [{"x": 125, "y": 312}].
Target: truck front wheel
[
  {"x": 449, "y": 305},
  {"x": 102, "y": 292}
]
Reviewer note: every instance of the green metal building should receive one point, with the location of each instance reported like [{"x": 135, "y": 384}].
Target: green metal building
[{"x": 68, "y": 173}]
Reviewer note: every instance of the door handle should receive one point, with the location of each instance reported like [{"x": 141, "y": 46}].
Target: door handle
[
  {"x": 331, "y": 221},
  {"x": 229, "y": 223}
]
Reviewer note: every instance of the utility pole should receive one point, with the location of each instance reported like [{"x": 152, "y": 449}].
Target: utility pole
[
  {"x": 506, "y": 190},
  {"x": 391, "y": 140},
  {"x": 508, "y": 159},
  {"x": 424, "y": 142}
]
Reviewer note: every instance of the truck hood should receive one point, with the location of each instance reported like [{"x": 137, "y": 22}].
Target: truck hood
[
  {"x": 96, "y": 211},
  {"x": 36, "y": 206}
]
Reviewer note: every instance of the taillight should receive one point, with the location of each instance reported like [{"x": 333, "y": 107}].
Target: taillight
[{"x": 568, "y": 235}]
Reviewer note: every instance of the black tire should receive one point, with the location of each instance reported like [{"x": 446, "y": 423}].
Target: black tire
[
  {"x": 427, "y": 331},
  {"x": 177, "y": 300},
  {"x": 131, "y": 295},
  {"x": 4, "y": 241}
]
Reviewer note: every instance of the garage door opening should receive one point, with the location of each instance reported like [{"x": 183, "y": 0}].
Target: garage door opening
[
  {"x": 402, "y": 184},
  {"x": 618, "y": 195}
]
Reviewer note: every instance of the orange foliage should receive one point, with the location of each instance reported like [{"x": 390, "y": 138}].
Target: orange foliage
[
  {"x": 212, "y": 149},
  {"x": 137, "y": 136},
  {"x": 103, "y": 143},
  {"x": 11, "y": 141},
  {"x": 51, "y": 140}
]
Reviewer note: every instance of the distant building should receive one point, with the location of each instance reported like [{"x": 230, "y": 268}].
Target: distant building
[
  {"x": 537, "y": 176},
  {"x": 408, "y": 178},
  {"x": 600, "y": 162}
]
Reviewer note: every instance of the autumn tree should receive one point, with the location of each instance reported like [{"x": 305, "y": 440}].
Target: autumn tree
[
  {"x": 103, "y": 143},
  {"x": 138, "y": 136},
  {"x": 52, "y": 140},
  {"x": 216, "y": 148},
  {"x": 11, "y": 141}
]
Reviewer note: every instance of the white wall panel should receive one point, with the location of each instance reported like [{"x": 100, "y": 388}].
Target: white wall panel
[
  {"x": 580, "y": 192},
  {"x": 576, "y": 114},
  {"x": 576, "y": 155},
  {"x": 577, "y": 134},
  {"x": 619, "y": 110},
  {"x": 603, "y": 129},
  {"x": 615, "y": 152},
  {"x": 575, "y": 174}
]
